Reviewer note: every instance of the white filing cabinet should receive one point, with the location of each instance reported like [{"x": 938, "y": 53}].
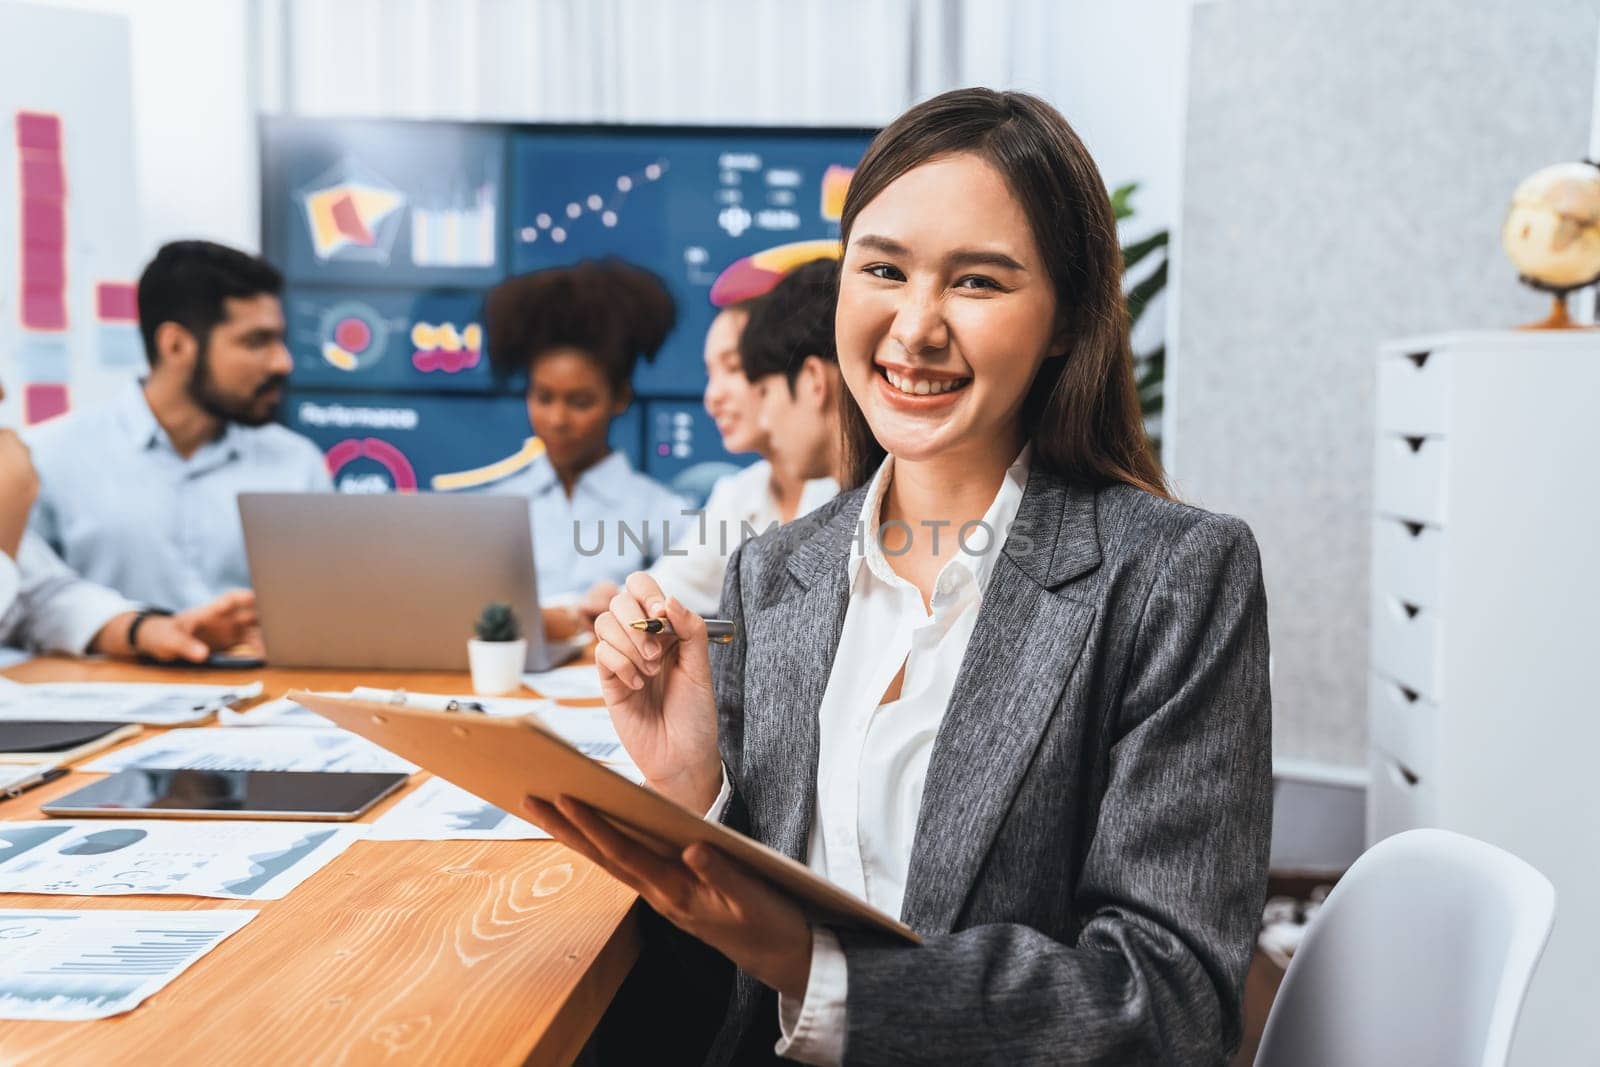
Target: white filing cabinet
[{"x": 1484, "y": 697}]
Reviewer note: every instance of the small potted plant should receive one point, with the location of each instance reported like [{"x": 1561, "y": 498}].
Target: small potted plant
[{"x": 497, "y": 653}]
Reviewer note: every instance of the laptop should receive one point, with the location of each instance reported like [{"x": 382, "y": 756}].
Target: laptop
[{"x": 392, "y": 581}]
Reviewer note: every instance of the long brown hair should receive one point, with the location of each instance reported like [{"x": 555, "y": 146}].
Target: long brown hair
[{"x": 1082, "y": 410}]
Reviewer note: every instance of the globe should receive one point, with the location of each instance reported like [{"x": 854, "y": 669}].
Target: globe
[{"x": 1552, "y": 232}]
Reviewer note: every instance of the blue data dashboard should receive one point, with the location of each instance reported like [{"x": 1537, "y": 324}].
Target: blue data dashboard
[{"x": 390, "y": 232}]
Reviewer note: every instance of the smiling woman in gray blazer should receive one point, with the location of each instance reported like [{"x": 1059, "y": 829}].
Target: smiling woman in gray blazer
[{"x": 1047, "y": 750}]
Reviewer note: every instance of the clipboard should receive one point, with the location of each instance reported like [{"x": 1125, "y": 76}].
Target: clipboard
[{"x": 504, "y": 760}]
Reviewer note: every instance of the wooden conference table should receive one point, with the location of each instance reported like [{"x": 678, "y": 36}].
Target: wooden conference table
[{"x": 480, "y": 952}]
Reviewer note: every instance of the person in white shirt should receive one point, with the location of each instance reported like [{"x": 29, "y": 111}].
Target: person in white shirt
[
  {"x": 788, "y": 355},
  {"x": 1004, "y": 687},
  {"x": 765, "y": 494},
  {"x": 139, "y": 495},
  {"x": 46, "y": 607}
]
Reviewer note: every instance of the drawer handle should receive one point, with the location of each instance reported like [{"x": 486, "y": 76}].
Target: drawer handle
[
  {"x": 1414, "y": 442},
  {"x": 1411, "y": 695},
  {"x": 1413, "y": 528},
  {"x": 1411, "y": 610},
  {"x": 1418, "y": 359}
]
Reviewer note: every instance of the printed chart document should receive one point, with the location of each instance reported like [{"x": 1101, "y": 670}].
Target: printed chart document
[
  {"x": 280, "y": 712},
  {"x": 72, "y": 965},
  {"x": 589, "y": 730},
  {"x": 152, "y": 703},
  {"x": 439, "y": 811},
  {"x": 234, "y": 860},
  {"x": 566, "y": 683},
  {"x": 270, "y": 748}
]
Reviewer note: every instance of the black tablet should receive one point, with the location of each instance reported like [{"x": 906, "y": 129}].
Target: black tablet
[
  {"x": 137, "y": 792},
  {"x": 44, "y": 736}
]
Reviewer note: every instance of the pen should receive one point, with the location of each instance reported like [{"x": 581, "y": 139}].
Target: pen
[
  {"x": 719, "y": 631},
  {"x": 20, "y": 788}
]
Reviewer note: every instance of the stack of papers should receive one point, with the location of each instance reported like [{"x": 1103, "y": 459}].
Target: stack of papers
[
  {"x": 154, "y": 704},
  {"x": 72, "y": 965}
]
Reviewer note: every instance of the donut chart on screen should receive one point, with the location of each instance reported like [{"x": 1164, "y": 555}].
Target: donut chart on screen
[
  {"x": 386, "y": 455},
  {"x": 354, "y": 336}
]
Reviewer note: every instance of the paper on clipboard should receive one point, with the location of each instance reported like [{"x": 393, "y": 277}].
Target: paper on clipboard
[{"x": 504, "y": 760}]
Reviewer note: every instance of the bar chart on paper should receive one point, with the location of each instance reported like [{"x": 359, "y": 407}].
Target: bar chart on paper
[{"x": 73, "y": 965}]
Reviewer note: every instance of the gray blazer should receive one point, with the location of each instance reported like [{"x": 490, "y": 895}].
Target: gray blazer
[{"x": 1091, "y": 848}]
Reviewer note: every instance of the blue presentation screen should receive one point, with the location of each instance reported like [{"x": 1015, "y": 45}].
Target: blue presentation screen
[
  {"x": 390, "y": 233},
  {"x": 422, "y": 340},
  {"x": 686, "y": 205},
  {"x": 385, "y": 203}
]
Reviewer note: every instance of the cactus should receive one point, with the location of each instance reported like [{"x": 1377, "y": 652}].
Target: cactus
[{"x": 498, "y": 623}]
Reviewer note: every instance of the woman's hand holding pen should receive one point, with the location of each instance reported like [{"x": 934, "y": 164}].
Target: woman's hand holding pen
[{"x": 658, "y": 688}]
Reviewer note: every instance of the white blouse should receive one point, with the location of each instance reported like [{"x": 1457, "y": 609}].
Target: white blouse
[
  {"x": 873, "y": 757},
  {"x": 741, "y": 506}
]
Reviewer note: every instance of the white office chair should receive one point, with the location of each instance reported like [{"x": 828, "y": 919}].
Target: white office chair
[{"x": 1421, "y": 955}]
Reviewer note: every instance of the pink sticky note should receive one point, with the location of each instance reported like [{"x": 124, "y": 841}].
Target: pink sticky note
[
  {"x": 42, "y": 177},
  {"x": 44, "y": 308},
  {"x": 116, "y": 302},
  {"x": 43, "y": 268},
  {"x": 44, "y": 224},
  {"x": 41, "y": 402},
  {"x": 36, "y": 129}
]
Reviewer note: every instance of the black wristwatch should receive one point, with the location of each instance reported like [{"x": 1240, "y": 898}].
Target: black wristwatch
[{"x": 138, "y": 621}]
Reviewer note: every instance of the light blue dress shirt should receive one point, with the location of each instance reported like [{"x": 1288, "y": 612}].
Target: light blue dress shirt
[
  {"x": 44, "y": 606},
  {"x": 616, "y": 522},
  {"x": 123, "y": 509}
]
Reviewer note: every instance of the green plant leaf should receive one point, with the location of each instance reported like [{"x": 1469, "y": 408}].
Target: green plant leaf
[
  {"x": 498, "y": 622},
  {"x": 1150, "y": 369},
  {"x": 1133, "y": 254},
  {"x": 1122, "y": 200},
  {"x": 1140, "y": 295}
]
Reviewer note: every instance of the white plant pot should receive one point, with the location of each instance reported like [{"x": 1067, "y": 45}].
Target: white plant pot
[{"x": 496, "y": 665}]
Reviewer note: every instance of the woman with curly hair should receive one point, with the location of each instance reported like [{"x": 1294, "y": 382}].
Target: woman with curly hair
[{"x": 577, "y": 333}]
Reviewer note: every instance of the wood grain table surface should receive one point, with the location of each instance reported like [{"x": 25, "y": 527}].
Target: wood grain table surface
[{"x": 435, "y": 952}]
